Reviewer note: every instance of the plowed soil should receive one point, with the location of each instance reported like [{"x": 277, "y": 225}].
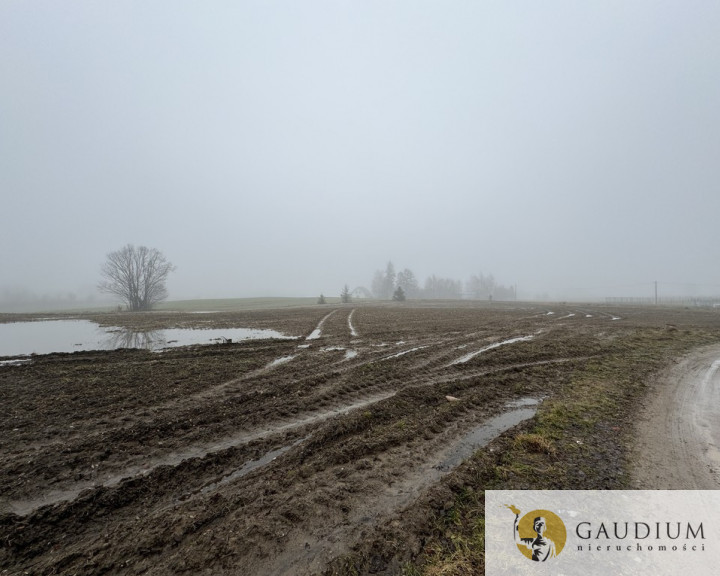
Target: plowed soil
[{"x": 273, "y": 456}]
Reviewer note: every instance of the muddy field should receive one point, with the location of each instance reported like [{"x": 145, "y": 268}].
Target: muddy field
[{"x": 283, "y": 456}]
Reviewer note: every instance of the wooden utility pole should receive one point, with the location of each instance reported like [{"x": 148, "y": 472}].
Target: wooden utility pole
[{"x": 655, "y": 292}]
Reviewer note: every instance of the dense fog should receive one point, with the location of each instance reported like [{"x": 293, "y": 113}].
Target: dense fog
[{"x": 569, "y": 150}]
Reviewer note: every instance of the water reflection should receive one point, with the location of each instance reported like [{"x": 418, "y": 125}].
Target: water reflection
[
  {"x": 48, "y": 336},
  {"x": 125, "y": 338}
]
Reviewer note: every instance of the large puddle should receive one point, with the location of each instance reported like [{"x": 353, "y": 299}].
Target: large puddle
[{"x": 48, "y": 336}]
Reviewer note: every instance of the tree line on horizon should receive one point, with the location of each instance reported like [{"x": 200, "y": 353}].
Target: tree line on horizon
[
  {"x": 137, "y": 277},
  {"x": 388, "y": 284}
]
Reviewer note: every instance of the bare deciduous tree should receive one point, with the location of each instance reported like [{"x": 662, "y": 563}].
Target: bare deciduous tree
[{"x": 137, "y": 276}]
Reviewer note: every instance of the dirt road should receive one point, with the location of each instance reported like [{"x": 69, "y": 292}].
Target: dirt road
[{"x": 678, "y": 431}]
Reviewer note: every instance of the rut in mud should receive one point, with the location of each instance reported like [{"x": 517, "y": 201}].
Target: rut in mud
[{"x": 272, "y": 456}]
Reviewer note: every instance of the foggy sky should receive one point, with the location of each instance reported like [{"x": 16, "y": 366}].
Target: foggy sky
[{"x": 289, "y": 148}]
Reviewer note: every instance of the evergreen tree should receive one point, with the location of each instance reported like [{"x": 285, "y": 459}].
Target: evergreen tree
[{"x": 345, "y": 297}]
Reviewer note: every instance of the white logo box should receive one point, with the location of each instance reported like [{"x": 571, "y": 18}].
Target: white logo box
[{"x": 607, "y": 532}]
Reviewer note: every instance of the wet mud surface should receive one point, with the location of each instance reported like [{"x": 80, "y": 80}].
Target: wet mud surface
[
  {"x": 269, "y": 456},
  {"x": 678, "y": 444}
]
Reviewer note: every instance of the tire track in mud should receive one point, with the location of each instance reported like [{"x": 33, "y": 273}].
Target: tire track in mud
[
  {"x": 323, "y": 545},
  {"x": 362, "y": 443},
  {"x": 340, "y": 392},
  {"x": 470, "y": 375},
  {"x": 437, "y": 459},
  {"x": 304, "y": 544},
  {"x": 332, "y": 399},
  {"x": 315, "y": 334},
  {"x": 337, "y": 397},
  {"x": 162, "y": 416},
  {"x": 197, "y": 451},
  {"x": 470, "y": 355}
]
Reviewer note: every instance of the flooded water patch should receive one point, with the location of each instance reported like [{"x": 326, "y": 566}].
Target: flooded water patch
[
  {"x": 16, "y": 362},
  {"x": 472, "y": 355},
  {"x": 281, "y": 360},
  {"x": 403, "y": 353},
  {"x": 444, "y": 461},
  {"x": 353, "y": 332},
  {"x": 349, "y": 352},
  {"x": 315, "y": 334},
  {"x": 522, "y": 402},
  {"x": 249, "y": 467},
  {"x": 188, "y": 336},
  {"x": 48, "y": 336}
]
